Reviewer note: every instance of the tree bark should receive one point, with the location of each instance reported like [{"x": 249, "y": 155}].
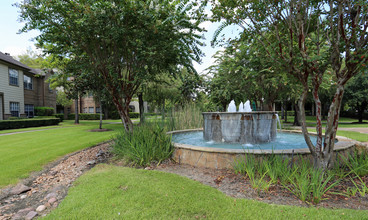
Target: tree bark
[
  {"x": 361, "y": 109},
  {"x": 76, "y": 119},
  {"x": 100, "y": 127},
  {"x": 141, "y": 108},
  {"x": 296, "y": 115},
  {"x": 123, "y": 110}
]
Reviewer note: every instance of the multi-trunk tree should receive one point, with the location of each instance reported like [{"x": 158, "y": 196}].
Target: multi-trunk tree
[
  {"x": 125, "y": 42},
  {"x": 306, "y": 38}
]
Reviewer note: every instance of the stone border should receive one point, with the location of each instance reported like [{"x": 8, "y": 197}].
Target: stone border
[{"x": 223, "y": 158}]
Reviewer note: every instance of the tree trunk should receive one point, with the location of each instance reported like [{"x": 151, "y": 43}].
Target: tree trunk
[
  {"x": 141, "y": 108},
  {"x": 361, "y": 109},
  {"x": 282, "y": 110},
  {"x": 296, "y": 115},
  {"x": 123, "y": 110},
  {"x": 100, "y": 113},
  {"x": 327, "y": 154},
  {"x": 285, "y": 112},
  {"x": 76, "y": 119}
]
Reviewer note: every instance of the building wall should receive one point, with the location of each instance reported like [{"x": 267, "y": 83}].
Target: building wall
[
  {"x": 40, "y": 94},
  {"x": 11, "y": 93}
]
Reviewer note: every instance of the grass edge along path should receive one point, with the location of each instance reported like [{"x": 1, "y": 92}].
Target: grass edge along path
[
  {"x": 23, "y": 153},
  {"x": 111, "y": 192}
]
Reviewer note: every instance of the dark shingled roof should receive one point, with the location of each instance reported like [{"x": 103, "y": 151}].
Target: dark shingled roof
[{"x": 11, "y": 60}]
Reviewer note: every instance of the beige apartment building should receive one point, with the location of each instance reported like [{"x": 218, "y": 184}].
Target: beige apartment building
[{"x": 22, "y": 89}]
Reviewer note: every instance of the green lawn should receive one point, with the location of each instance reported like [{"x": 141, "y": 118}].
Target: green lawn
[
  {"x": 343, "y": 122},
  {"x": 109, "y": 192},
  {"x": 20, "y": 154},
  {"x": 349, "y": 134}
]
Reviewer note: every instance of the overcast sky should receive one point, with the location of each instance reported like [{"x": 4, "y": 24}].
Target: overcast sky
[{"x": 16, "y": 44}]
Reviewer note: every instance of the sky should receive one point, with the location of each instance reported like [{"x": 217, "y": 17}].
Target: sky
[{"x": 15, "y": 43}]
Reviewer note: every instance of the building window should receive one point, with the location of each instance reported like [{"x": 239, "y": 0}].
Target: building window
[
  {"x": 91, "y": 110},
  {"x": 13, "y": 77},
  {"x": 28, "y": 82},
  {"x": 98, "y": 110},
  {"x": 29, "y": 110},
  {"x": 14, "y": 109},
  {"x": 85, "y": 110}
]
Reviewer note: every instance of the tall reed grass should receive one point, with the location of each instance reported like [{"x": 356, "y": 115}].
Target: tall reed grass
[
  {"x": 187, "y": 117},
  {"x": 146, "y": 144}
]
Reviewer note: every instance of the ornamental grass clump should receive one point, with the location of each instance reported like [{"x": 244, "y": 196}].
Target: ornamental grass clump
[{"x": 145, "y": 144}]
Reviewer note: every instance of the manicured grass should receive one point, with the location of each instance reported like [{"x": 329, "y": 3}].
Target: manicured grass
[
  {"x": 108, "y": 192},
  {"x": 343, "y": 122},
  {"x": 349, "y": 134},
  {"x": 23, "y": 153}
]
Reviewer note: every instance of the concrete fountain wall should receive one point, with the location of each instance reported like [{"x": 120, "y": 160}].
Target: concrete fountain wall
[
  {"x": 240, "y": 127},
  {"x": 219, "y": 158}
]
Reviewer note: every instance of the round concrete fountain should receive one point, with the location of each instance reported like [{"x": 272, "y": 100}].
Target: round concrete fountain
[
  {"x": 227, "y": 136},
  {"x": 240, "y": 127}
]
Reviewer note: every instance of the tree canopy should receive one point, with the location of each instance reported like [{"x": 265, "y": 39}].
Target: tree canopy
[
  {"x": 125, "y": 42},
  {"x": 306, "y": 38}
]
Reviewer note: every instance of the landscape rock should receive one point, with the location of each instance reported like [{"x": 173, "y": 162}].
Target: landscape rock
[
  {"x": 51, "y": 195},
  {"x": 52, "y": 200},
  {"x": 31, "y": 215},
  {"x": 20, "y": 188},
  {"x": 23, "y": 196},
  {"x": 91, "y": 162},
  {"x": 24, "y": 212},
  {"x": 100, "y": 153},
  {"x": 41, "y": 208}
]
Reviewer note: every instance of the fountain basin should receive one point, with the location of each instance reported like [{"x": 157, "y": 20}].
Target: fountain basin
[
  {"x": 220, "y": 158},
  {"x": 240, "y": 127}
]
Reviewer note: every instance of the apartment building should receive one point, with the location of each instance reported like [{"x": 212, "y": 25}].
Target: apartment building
[{"x": 22, "y": 89}]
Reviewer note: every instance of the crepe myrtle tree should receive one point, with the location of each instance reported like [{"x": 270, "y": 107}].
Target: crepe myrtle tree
[
  {"x": 126, "y": 42},
  {"x": 307, "y": 38}
]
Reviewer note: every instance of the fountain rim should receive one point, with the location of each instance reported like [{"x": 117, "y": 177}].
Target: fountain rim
[
  {"x": 252, "y": 112},
  {"x": 342, "y": 144}
]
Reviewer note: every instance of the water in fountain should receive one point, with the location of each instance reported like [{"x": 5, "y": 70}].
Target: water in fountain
[
  {"x": 278, "y": 122},
  {"x": 247, "y": 107},
  {"x": 232, "y": 107},
  {"x": 241, "y": 107}
]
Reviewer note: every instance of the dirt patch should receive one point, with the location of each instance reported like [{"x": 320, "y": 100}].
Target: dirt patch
[
  {"x": 238, "y": 186},
  {"x": 100, "y": 130},
  {"x": 46, "y": 189}
]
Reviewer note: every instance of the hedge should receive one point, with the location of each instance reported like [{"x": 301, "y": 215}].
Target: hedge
[
  {"x": 26, "y": 123},
  {"x": 133, "y": 114},
  {"x": 60, "y": 116},
  {"x": 85, "y": 116},
  {"x": 44, "y": 111}
]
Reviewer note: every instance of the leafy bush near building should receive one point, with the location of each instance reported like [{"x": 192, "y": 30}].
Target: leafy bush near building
[
  {"x": 133, "y": 114},
  {"x": 25, "y": 123},
  {"x": 60, "y": 116},
  {"x": 44, "y": 111},
  {"x": 85, "y": 116}
]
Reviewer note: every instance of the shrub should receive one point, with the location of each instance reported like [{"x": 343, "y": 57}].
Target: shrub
[
  {"x": 85, "y": 116},
  {"x": 44, "y": 111},
  {"x": 60, "y": 116},
  {"x": 134, "y": 114},
  {"x": 146, "y": 144},
  {"x": 25, "y": 123},
  {"x": 306, "y": 183}
]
